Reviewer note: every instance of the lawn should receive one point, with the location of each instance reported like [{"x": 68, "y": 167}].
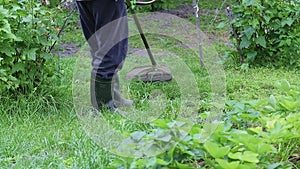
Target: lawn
[{"x": 44, "y": 129}]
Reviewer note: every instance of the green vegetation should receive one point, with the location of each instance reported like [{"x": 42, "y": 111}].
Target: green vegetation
[
  {"x": 259, "y": 126},
  {"x": 42, "y": 129},
  {"x": 268, "y": 31},
  {"x": 27, "y": 32},
  {"x": 252, "y": 134}
]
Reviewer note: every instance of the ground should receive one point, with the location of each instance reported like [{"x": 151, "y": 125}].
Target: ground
[{"x": 42, "y": 130}]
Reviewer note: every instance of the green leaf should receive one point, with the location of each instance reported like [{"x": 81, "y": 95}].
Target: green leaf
[
  {"x": 27, "y": 19},
  {"x": 228, "y": 165},
  {"x": 280, "y": 130},
  {"x": 289, "y": 105},
  {"x": 261, "y": 40},
  {"x": 283, "y": 85},
  {"x": 249, "y": 31},
  {"x": 245, "y": 66},
  {"x": 255, "y": 23},
  {"x": 274, "y": 165},
  {"x": 251, "y": 56},
  {"x": 245, "y": 43},
  {"x": 221, "y": 25},
  {"x": 4, "y": 79},
  {"x": 248, "y": 2},
  {"x": 288, "y": 21},
  {"x": 31, "y": 53},
  {"x": 46, "y": 56},
  {"x": 167, "y": 138},
  {"x": 8, "y": 50},
  {"x": 12, "y": 78},
  {"x": 265, "y": 148},
  {"x": 118, "y": 163},
  {"x": 138, "y": 135},
  {"x": 216, "y": 150},
  {"x": 3, "y": 11},
  {"x": 15, "y": 8},
  {"x": 161, "y": 162},
  {"x": 163, "y": 124},
  {"x": 18, "y": 67},
  {"x": 5, "y": 27},
  {"x": 267, "y": 18},
  {"x": 152, "y": 150},
  {"x": 248, "y": 156},
  {"x": 273, "y": 101},
  {"x": 176, "y": 124}
]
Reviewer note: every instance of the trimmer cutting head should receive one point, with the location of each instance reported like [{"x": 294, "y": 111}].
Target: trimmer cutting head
[{"x": 158, "y": 73}]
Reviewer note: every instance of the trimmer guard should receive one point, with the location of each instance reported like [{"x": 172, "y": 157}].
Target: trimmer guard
[{"x": 150, "y": 74}]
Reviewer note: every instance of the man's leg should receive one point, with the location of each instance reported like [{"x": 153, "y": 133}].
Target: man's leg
[
  {"x": 108, "y": 46},
  {"x": 111, "y": 37}
]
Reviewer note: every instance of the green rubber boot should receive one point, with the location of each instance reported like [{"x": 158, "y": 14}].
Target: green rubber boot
[{"x": 101, "y": 93}]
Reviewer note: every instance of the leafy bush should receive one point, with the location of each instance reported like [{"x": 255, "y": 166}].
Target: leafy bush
[
  {"x": 26, "y": 32},
  {"x": 253, "y": 134},
  {"x": 268, "y": 31}
]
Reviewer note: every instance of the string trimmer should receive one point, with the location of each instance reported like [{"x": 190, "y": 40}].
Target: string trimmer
[{"x": 153, "y": 72}]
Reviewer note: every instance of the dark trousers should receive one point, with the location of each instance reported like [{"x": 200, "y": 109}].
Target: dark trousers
[{"x": 105, "y": 27}]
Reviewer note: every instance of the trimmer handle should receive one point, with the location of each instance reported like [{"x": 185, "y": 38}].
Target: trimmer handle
[
  {"x": 141, "y": 2},
  {"x": 145, "y": 3}
]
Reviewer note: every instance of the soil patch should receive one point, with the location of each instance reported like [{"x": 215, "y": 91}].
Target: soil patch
[
  {"x": 68, "y": 49},
  {"x": 183, "y": 11}
]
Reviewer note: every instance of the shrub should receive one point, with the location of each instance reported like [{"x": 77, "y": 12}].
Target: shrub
[
  {"x": 268, "y": 31},
  {"x": 26, "y": 31}
]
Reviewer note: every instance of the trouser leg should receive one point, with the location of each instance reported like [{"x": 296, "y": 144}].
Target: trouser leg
[
  {"x": 111, "y": 40},
  {"x": 104, "y": 25}
]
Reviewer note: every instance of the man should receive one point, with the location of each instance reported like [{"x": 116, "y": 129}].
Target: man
[{"x": 105, "y": 27}]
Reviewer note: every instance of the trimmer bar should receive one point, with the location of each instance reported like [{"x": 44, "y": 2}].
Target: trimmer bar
[{"x": 154, "y": 72}]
